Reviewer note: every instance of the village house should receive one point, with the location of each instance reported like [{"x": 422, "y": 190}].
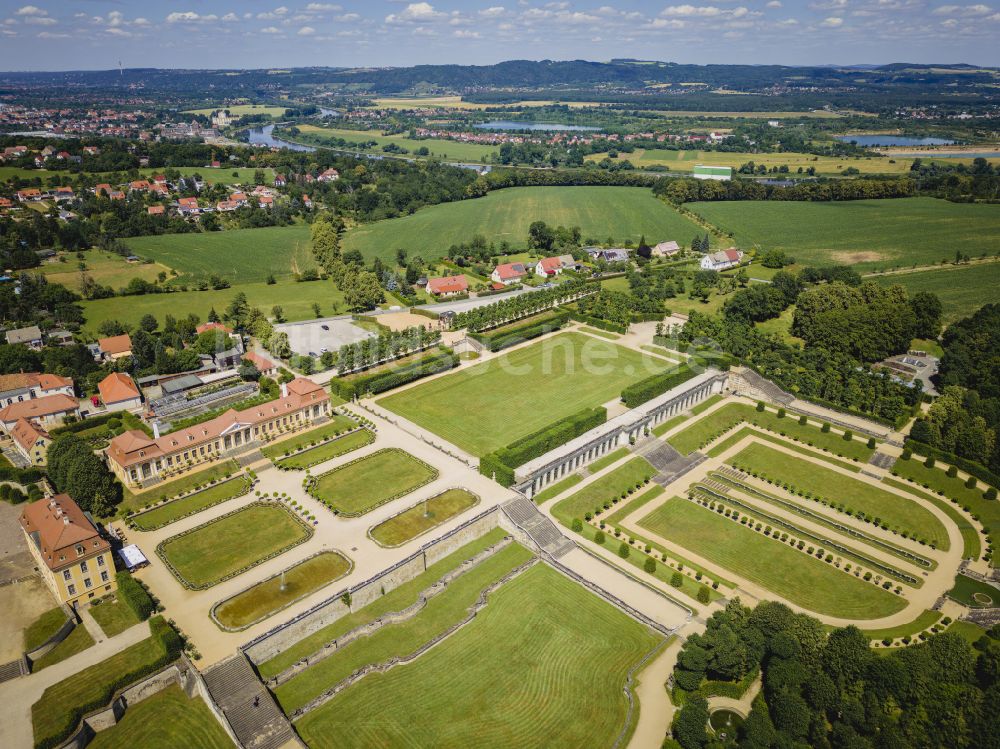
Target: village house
[
  {"x": 119, "y": 392},
  {"x": 23, "y": 386},
  {"x": 330, "y": 175},
  {"x": 279, "y": 180},
  {"x": 139, "y": 185},
  {"x": 666, "y": 249},
  {"x": 156, "y": 210},
  {"x": 265, "y": 366},
  {"x": 136, "y": 458},
  {"x": 48, "y": 410},
  {"x": 548, "y": 267},
  {"x": 115, "y": 347},
  {"x": 722, "y": 260},
  {"x": 448, "y": 285},
  {"x": 29, "y": 195},
  {"x": 30, "y": 336},
  {"x": 73, "y": 557},
  {"x": 509, "y": 273},
  {"x": 103, "y": 187},
  {"x": 188, "y": 205},
  {"x": 31, "y": 441}
]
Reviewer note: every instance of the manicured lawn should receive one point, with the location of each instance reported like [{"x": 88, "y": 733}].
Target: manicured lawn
[
  {"x": 422, "y": 517},
  {"x": 40, "y": 630},
  {"x": 867, "y": 234},
  {"x": 787, "y": 572},
  {"x": 544, "y": 650},
  {"x": 338, "y": 423},
  {"x": 557, "y": 488},
  {"x": 61, "y": 701},
  {"x": 114, "y": 616},
  {"x": 602, "y": 490},
  {"x": 77, "y": 641},
  {"x": 601, "y": 333},
  {"x": 606, "y": 460},
  {"x": 735, "y": 437},
  {"x": 856, "y": 495},
  {"x": 179, "y": 508},
  {"x": 699, "y": 432},
  {"x": 541, "y": 383},
  {"x": 167, "y": 720},
  {"x": 241, "y": 255},
  {"x": 962, "y": 289},
  {"x": 618, "y": 212},
  {"x": 363, "y": 484},
  {"x": 267, "y": 597},
  {"x": 975, "y": 593},
  {"x": 926, "y": 620},
  {"x": 396, "y": 599},
  {"x": 136, "y": 502},
  {"x": 222, "y": 548},
  {"x": 339, "y": 446},
  {"x": 968, "y": 631},
  {"x": 971, "y": 545}
]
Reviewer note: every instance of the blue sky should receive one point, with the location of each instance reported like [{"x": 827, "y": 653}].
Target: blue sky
[{"x": 96, "y": 34}]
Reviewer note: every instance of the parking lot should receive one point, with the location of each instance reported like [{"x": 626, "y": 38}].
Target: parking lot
[{"x": 313, "y": 337}]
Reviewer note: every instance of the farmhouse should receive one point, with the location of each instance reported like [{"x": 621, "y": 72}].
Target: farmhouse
[
  {"x": 115, "y": 347},
  {"x": 23, "y": 386},
  {"x": 49, "y": 410},
  {"x": 136, "y": 458},
  {"x": 509, "y": 273},
  {"x": 721, "y": 260},
  {"x": 448, "y": 285},
  {"x": 31, "y": 441},
  {"x": 74, "y": 559},
  {"x": 119, "y": 392}
]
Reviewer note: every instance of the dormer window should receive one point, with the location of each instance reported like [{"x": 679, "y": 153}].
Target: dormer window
[{"x": 79, "y": 549}]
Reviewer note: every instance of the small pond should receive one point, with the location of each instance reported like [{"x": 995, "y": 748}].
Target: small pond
[{"x": 725, "y": 723}]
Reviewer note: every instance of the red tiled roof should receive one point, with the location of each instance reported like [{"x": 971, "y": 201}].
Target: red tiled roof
[
  {"x": 262, "y": 363},
  {"x": 550, "y": 264},
  {"x": 448, "y": 285},
  {"x": 58, "y": 526},
  {"x": 117, "y": 387},
  {"x": 27, "y": 433},
  {"x": 510, "y": 270},
  {"x": 47, "y": 405},
  {"x": 42, "y": 380},
  {"x": 116, "y": 344},
  {"x": 733, "y": 255},
  {"x": 206, "y": 326}
]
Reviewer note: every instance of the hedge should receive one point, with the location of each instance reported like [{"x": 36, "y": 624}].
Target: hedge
[
  {"x": 598, "y": 322},
  {"x": 162, "y": 633},
  {"x": 80, "y": 426},
  {"x": 647, "y": 389},
  {"x": 378, "y": 382},
  {"x": 512, "y": 336},
  {"x": 132, "y": 593},
  {"x": 490, "y": 465},
  {"x": 981, "y": 472},
  {"x": 21, "y": 475}
]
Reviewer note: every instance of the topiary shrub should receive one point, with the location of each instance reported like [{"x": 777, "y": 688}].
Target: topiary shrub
[
  {"x": 677, "y": 579},
  {"x": 826, "y": 427},
  {"x": 599, "y": 537},
  {"x": 623, "y": 550},
  {"x": 929, "y": 463},
  {"x": 649, "y": 565},
  {"x": 848, "y": 435},
  {"x": 760, "y": 406}
]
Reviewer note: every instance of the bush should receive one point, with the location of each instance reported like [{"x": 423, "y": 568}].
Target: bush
[
  {"x": 848, "y": 435},
  {"x": 623, "y": 550},
  {"x": 380, "y": 380},
  {"x": 644, "y": 390},
  {"x": 599, "y": 537},
  {"x": 907, "y": 454},
  {"x": 990, "y": 494},
  {"x": 677, "y": 579},
  {"x": 952, "y": 471},
  {"x": 134, "y": 595},
  {"x": 826, "y": 427},
  {"x": 703, "y": 594},
  {"x": 871, "y": 443},
  {"x": 577, "y": 525},
  {"x": 649, "y": 565},
  {"x": 558, "y": 433},
  {"x": 781, "y": 413},
  {"x": 970, "y": 483},
  {"x": 929, "y": 463},
  {"x": 760, "y": 406},
  {"x": 803, "y": 420}
]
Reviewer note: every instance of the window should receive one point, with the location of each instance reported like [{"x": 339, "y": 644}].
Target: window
[
  {"x": 83, "y": 566},
  {"x": 67, "y": 575},
  {"x": 79, "y": 549},
  {"x": 104, "y": 576},
  {"x": 100, "y": 561},
  {"x": 87, "y": 582},
  {"x": 71, "y": 589}
]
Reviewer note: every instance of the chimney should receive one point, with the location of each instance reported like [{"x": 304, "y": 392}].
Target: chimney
[
  {"x": 66, "y": 520},
  {"x": 156, "y": 430},
  {"x": 284, "y": 390}
]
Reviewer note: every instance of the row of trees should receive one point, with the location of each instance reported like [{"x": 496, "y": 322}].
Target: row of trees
[
  {"x": 388, "y": 345},
  {"x": 522, "y": 305}
]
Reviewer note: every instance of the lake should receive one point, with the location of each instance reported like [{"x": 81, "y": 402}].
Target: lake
[
  {"x": 540, "y": 126},
  {"x": 892, "y": 140}
]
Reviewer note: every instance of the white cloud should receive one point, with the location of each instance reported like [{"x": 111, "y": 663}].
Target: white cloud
[
  {"x": 465, "y": 34},
  {"x": 230, "y": 18},
  {"x": 189, "y": 16},
  {"x": 665, "y": 23},
  {"x": 322, "y": 7},
  {"x": 415, "y": 13},
  {"x": 494, "y": 11},
  {"x": 832, "y": 22},
  {"x": 272, "y": 14},
  {"x": 960, "y": 10},
  {"x": 40, "y": 20},
  {"x": 118, "y": 31},
  {"x": 306, "y": 31},
  {"x": 52, "y": 35},
  {"x": 692, "y": 11},
  {"x": 143, "y": 21},
  {"x": 270, "y": 30},
  {"x": 788, "y": 22},
  {"x": 30, "y": 10},
  {"x": 773, "y": 4},
  {"x": 349, "y": 17}
]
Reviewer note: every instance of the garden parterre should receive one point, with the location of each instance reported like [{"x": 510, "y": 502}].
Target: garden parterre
[{"x": 350, "y": 489}]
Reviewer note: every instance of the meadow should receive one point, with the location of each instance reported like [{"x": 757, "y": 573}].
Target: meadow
[
  {"x": 962, "y": 289},
  {"x": 684, "y": 161},
  {"x": 558, "y": 658},
  {"x": 558, "y": 376},
  {"x": 802, "y": 579},
  {"x": 622, "y": 213},
  {"x": 867, "y": 234},
  {"x": 239, "y": 255},
  {"x": 106, "y": 268},
  {"x": 229, "y": 175},
  {"x": 445, "y": 149}
]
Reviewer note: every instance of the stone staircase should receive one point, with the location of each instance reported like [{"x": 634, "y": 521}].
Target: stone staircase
[
  {"x": 669, "y": 463},
  {"x": 523, "y": 513},
  {"x": 760, "y": 387},
  {"x": 12, "y": 670},
  {"x": 251, "y": 711},
  {"x": 881, "y": 460}
]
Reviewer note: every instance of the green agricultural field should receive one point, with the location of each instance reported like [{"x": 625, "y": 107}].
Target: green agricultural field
[
  {"x": 240, "y": 255},
  {"x": 340, "y": 446},
  {"x": 167, "y": 720},
  {"x": 179, "y": 508},
  {"x": 556, "y": 665},
  {"x": 600, "y": 212},
  {"x": 962, "y": 289},
  {"x": 106, "y": 268},
  {"x": 8, "y": 172},
  {"x": 420, "y": 518},
  {"x": 859, "y": 496},
  {"x": 227, "y": 175},
  {"x": 363, "y": 484},
  {"x": 267, "y": 597},
  {"x": 444, "y": 149},
  {"x": 224, "y": 547},
  {"x": 684, "y": 161},
  {"x": 541, "y": 383},
  {"x": 239, "y": 110},
  {"x": 867, "y": 234},
  {"x": 802, "y": 579},
  {"x": 295, "y": 299},
  {"x": 114, "y": 616}
]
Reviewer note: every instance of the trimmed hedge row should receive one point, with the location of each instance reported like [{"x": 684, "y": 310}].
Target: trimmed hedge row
[
  {"x": 168, "y": 640},
  {"x": 378, "y": 382},
  {"x": 519, "y": 334},
  {"x": 647, "y": 389},
  {"x": 597, "y": 322},
  {"x": 135, "y": 596},
  {"x": 501, "y": 463},
  {"x": 981, "y": 472},
  {"x": 84, "y": 424},
  {"x": 21, "y": 476}
]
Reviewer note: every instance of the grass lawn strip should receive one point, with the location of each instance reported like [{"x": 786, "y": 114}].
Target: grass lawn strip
[
  {"x": 266, "y": 598},
  {"x": 176, "y": 487},
  {"x": 76, "y": 642},
  {"x": 394, "y": 600},
  {"x": 601, "y": 333},
  {"x": 554, "y": 650},
  {"x": 231, "y": 544},
  {"x": 337, "y": 425},
  {"x": 669, "y": 424},
  {"x": 558, "y": 488},
  {"x": 437, "y": 615},
  {"x": 797, "y": 577},
  {"x": 176, "y": 509},
  {"x": 43, "y": 628},
  {"x": 974, "y": 593},
  {"x": 328, "y": 450},
  {"x": 605, "y": 489},
  {"x": 971, "y": 546},
  {"x": 558, "y": 370},
  {"x": 753, "y": 431},
  {"x": 114, "y": 616},
  {"x": 926, "y": 620},
  {"x": 606, "y": 460},
  {"x": 167, "y": 720},
  {"x": 818, "y": 482},
  {"x": 422, "y": 517},
  {"x": 365, "y": 483}
]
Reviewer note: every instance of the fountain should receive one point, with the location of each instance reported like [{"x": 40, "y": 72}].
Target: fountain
[
  {"x": 725, "y": 724},
  {"x": 282, "y": 587}
]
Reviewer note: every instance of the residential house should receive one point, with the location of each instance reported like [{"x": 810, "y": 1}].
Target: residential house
[
  {"x": 265, "y": 366},
  {"x": 666, "y": 249},
  {"x": 188, "y": 206},
  {"x": 63, "y": 193},
  {"x": 29, "y": 195},
  {"x": 722, "y": 260},
  {"x": 509, "y": 273},
  {"x": 60, "y": 337},
  {"x": 103, "y": 187},
  {"x": 549, "y": 267},
  {"x": 307, "y": 201},
  {"x": 115, "y": 347},
  {"x": 139, "y": 185},
  {"x": 74, "y": 559},
  {"x": 30, "y": 336},
  {"x": 159, "y": 179},
  {"x": 239, "y": 198},
  {"x": 266, "y": 201},
  {"x": 23, "y": 386},
  {"x": 156, "y": 210},
  {"x": 330, "y": 175},
  {"x": 119, "y": 392},
  {"x": 49, "y": 410},
  {"x": 136, "y": 458},
  {"x": 116, "y": 195},
  {"x": 280, "y": 181},
  {"x": 616, "y": 255},
  {"x": 448, "y": 285},
  {"x": 226, "y": 206},
  {"x": 31, "y": 441}
]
